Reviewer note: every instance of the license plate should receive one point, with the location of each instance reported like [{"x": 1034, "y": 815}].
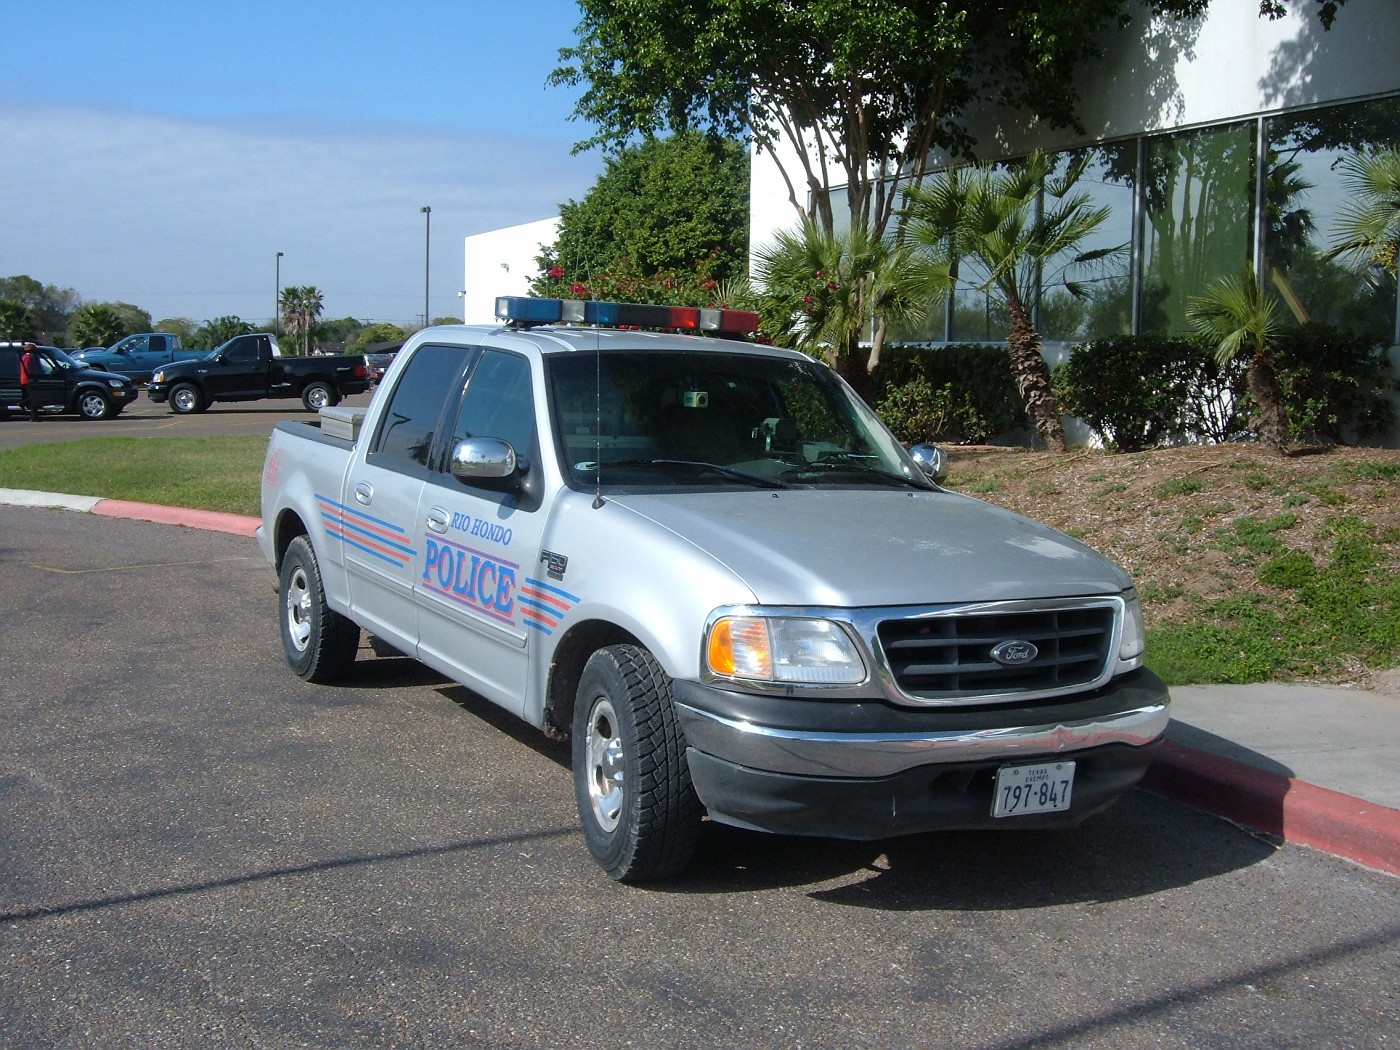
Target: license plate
[{"x": 1021, "y": 790}]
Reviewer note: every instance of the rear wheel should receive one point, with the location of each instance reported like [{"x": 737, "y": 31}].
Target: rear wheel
[
  {"x": 640, "y": 815},
  {"x": 94, "y": 404},
  {"x": 319, "y": 643},
  {"x": 186, "y": 398},
  {"x": 317, "y": 396}
]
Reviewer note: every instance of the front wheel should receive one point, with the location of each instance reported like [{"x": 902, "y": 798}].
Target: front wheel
[
  {"x": 186, "y": 398},
  {"x": 317, "y": 396},
  {"x": 319, "y": 643},
  {"x": 640, "y": 815},
  {"x": 94, "y": 404}
]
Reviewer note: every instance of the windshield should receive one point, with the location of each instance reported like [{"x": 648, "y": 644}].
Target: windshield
[
  {"x": 57, "y": 358},
  {"x": 646, "y": 420}
]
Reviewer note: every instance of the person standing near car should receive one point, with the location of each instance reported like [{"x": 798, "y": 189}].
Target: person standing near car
[{"x": 28, "y": 370}]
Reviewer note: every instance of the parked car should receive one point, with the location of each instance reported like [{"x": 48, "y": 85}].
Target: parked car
[
  {"x": 63, "y": 385},
  {"x": 378, "y": 364}
]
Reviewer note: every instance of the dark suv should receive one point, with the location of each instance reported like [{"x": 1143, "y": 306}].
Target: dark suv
[{"x": 63, "y": 385}]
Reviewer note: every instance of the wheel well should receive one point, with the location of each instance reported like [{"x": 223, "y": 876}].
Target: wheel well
[
  {"x": 289, "y": 526},
  {"x": 570, "y": 655}
]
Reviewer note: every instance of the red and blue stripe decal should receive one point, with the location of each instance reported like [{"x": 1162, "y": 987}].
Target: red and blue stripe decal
[
  {"x": 380, "y": 539},
  {"x": 543, "y": 605}
]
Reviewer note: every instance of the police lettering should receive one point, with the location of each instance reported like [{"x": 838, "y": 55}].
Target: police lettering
[{"x": 471, "y": 576}]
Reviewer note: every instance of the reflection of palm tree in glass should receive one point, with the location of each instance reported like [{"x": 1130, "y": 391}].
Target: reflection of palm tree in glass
[{"x": 1369, "y": 230}]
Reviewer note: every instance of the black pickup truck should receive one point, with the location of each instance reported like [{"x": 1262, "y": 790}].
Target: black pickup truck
[{"x": 250, "y": 368}]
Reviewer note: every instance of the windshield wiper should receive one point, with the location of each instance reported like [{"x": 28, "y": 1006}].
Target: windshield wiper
[
  {"x": 700, "y": 465},
  {"x": 859, "y": 470}
]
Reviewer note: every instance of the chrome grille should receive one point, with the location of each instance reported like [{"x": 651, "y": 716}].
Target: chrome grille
[{"x": 949, "y": 657}]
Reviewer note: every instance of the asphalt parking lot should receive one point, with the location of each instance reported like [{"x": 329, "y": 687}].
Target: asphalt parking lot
[{"x": 200, "y": 849}]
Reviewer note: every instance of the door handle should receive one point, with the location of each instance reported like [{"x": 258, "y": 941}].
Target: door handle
[
  {"x": 364, "y": 493},
  {"x": 437, "y": 520}
]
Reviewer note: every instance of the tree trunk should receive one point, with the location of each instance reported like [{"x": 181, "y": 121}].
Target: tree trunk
[
  {"x": 849, "y": 363},
  {"x": 1032, "y": 376},
  {"x": 1267, "y": 394}
]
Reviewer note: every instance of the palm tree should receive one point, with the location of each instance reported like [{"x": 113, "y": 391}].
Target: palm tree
[
  {"x": 1012, "y": 222},
  {"x": 823, "y": 292},
  {"x": 301, "y": 307},
  {"x": 1234, "y": 313},
  {"x": 98, "y": 324},
  {"x": 1369, "y": 228}
]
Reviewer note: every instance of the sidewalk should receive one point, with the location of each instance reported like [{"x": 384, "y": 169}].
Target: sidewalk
[{"x": 1315, "y": 765}]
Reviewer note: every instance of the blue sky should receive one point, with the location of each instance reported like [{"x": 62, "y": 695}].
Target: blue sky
[{"x": 162, "y": 153}]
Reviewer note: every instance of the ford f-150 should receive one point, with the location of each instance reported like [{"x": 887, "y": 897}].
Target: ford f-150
[
  {"x": 250, "y": 368},
  {"x": 708, "y": 564}
]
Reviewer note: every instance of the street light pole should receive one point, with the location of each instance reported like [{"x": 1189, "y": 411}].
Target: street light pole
[
  {"x": 277, "y": 298},
  {"x": 427, "y": 256}
]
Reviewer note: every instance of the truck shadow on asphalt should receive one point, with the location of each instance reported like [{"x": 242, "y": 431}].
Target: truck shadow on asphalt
[{"x": 1140, "y": 846}]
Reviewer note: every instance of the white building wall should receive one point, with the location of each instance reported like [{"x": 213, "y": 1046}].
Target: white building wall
[{"x": 501, "y": 262}]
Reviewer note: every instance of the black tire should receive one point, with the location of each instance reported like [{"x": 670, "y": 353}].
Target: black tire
[
  {"x": 186, "y": 398},
  {"x": 640, "y": 815},
  {"x": 94, "y": 404},
  {"x": 319, "y": 395},
  {"x": 319, "y": 643}
]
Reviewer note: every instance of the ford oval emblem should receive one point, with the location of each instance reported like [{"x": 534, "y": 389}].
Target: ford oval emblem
[{"x": 1014, "y": 653}]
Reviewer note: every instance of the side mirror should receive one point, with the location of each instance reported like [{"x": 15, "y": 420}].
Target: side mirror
[
  {"x": 481, "y": 459},
  {"x": 932, "y": 460},
  {"x": 222, "y": 359}
]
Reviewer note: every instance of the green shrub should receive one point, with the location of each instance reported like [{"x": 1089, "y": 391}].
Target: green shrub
[
  {"x": 1335, "y": 384},
  {"x": 982, "y": 400},
  {"x": 1139, "y": 391}
]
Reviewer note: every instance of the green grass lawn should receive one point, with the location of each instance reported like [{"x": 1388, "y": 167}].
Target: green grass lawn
[{"x": 211, "y": 473}]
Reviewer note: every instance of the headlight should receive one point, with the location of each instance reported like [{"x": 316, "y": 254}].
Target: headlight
[
  {"x": 776, "y": 649},
  {"x": 1130, "y": 649},
  {"x": 159, "y": 377},
  {"x": 115, "y": 384}
]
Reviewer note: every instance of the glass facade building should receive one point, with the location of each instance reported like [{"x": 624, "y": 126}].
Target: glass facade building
[{"x": 1194, "y": 204}]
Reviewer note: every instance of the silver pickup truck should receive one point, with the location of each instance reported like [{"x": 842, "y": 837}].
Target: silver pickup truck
[{"x": 709, "y": 564}]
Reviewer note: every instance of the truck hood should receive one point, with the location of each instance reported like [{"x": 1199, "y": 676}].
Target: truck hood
[{"x": 850, "y": 548}]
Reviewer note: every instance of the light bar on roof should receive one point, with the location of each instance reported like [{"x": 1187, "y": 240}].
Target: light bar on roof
[{"x": 524, "y": 311}]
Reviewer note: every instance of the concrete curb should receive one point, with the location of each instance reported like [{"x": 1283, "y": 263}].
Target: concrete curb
[
  {"x": 1349, "y": 827},
  {"x": 214, "y": 521}
]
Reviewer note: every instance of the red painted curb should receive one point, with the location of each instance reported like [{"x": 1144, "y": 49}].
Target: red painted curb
[
  {"x": 1278, "y": 805},
  {"x": 215, "y": 521}
]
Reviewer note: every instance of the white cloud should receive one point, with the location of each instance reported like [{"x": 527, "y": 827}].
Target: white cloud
[{"x": 183, "y": 217}]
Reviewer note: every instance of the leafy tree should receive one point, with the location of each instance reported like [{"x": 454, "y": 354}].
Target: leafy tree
[
  {"x": 181, "y": 326},
  {"x": 818, "y": 289},
  {"x": 1012, "y": 223},
  {"x": 50, "y": 307},
  {"x": 379, "y": 332},
  {"x": 219, "y": 331},
  {"x": 17, "y": 321},
  {"x": 343, "y": 331},
  {"x": 858, "y": 91},
  {"x": 668, "y": 205},
  {"x": 102, "y": 324},
  {"x": 1235, "y": 314},
  {"x": 301, "y": 308}
]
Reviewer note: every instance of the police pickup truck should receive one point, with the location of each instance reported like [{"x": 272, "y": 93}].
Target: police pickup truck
[
  {"x": 709, "y": 564},
  {"x": 251, "y": 368}
]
